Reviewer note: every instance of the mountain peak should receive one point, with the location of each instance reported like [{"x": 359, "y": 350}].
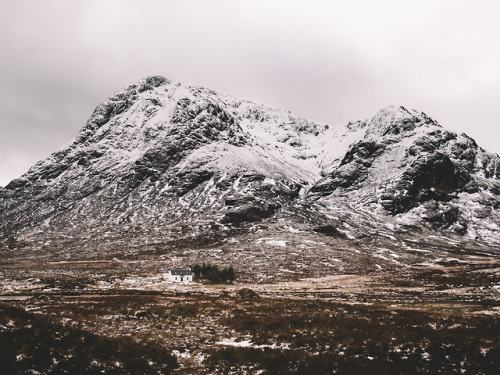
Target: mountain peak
[
  {"x": 144, "y": 84},
  {"x": 395, "y": 120},
  {"x": 118, "y": 103}
]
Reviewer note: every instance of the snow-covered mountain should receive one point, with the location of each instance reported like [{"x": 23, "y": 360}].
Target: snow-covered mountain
[{"x": 162, "y": 165}]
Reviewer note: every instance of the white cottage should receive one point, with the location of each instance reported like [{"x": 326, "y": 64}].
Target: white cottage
[{"x": 179, "y": 275}]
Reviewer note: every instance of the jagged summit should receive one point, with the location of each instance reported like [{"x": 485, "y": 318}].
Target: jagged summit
[
  {"x": 391, "y": 116},
  {"x": 177, "y": 165},
  {"x": 120, "y": 102},
  {"x": 394, "y": 120}
]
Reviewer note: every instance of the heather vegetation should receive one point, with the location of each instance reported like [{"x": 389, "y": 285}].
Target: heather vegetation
[
  {"x": 34, "y": 344},
  {"x": 424, "y": 320},
  {"x": 318, "y": 337},
  {"x": 241, "y": 333}
]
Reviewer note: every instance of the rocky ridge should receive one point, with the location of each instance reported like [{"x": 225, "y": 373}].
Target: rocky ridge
[{"x": 161, "y": 165}]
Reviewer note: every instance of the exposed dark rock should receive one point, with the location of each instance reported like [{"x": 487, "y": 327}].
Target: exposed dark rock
[
  {"x": 237, "y": 201},
  {"x": 249, "y": 213},
  {"x": 482, "y": 212},
  {"x": 363, "y": 153},
  {"x": 353, "y": 168},
  {"x": 495, "y": 189},
  {"x": 429, "y": 177},
  {"x": 329, "y": 230},
  {"x": 253, "y": 177},
  {"x": 472, "y": 186},
  {"x": 155, "y": 161},
  {"x": 405, "y": 125},
  {"x": 465, "y": 152},
  {"x": 151, "y": 82},
  {"x": 186, "y": 181},
  {"x": 17, "y": 183},
  {"x": 439, "y": 217},
  {"x": 86, "y": 158}
]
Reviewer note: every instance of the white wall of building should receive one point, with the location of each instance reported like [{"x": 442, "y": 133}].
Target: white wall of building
[{"x": 177, "y": 278}]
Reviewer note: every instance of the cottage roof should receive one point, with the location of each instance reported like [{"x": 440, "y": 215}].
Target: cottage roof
[{"x": 181, "y": 271}]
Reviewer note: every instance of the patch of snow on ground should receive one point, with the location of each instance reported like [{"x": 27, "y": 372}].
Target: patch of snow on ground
[
  {"x": 249, "y": 344},
  {"x": 280, "y": 243}
]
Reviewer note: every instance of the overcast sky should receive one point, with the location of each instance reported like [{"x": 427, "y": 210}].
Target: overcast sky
[{"x": 329, "y": 61}]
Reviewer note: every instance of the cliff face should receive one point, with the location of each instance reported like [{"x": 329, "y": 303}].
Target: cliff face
[{"x": 181, "y": 167}]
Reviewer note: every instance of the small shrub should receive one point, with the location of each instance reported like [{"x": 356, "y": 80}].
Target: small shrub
[{"x": 213, "y": 274}]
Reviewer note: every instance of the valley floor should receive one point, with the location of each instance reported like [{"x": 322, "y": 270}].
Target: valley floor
[{"x": 425, "y": 319}]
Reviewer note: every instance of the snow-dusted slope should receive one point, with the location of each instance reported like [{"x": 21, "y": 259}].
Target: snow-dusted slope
[
  {"x": 163, "y": 162},
  {"x": 159, "y": 153},
  {"x": 408, "y": 167}
]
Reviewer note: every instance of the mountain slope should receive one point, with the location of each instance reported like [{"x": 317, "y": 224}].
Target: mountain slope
[
  {"x": 412, "y": 169},
  {"x": 162, "y": 166},
  {"x": 163, "y": 152}
]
